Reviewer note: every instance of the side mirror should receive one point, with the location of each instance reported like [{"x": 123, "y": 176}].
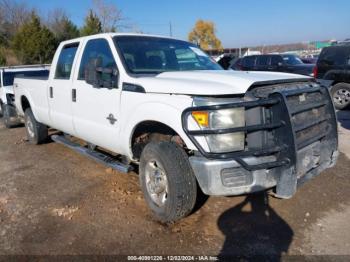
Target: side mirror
[
  {"x": 92, "y": 77},
  {"x": 99, "y": 76}
]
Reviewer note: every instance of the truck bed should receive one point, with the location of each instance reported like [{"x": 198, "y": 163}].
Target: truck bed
[{"x": 34, "y": 89}]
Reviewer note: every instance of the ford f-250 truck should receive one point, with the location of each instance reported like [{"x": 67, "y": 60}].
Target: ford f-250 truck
[{"x": 165, "y": 105}]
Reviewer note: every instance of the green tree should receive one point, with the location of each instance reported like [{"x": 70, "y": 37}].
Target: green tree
[
  {"x": 92, "y": 25},
  {"x": 203, "y": 34},
  {"x": 34, "y": 42}
]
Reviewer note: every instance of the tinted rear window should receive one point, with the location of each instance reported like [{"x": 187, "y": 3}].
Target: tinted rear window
[
  {"x": 336, "y": 55},
  {"x": 10, "y": 76}
]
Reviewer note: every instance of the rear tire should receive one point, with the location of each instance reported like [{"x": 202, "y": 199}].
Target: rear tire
[
  {"x": 1, "y": 110},
  {"x": 37, "y": 133},
  {"x": 167, "y": 181},
  {"x": 341, "y": 95},
  {"x": 7, "y": 116}
]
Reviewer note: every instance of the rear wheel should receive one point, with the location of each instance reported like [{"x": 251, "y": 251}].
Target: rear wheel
[
  {"x": 167, "y": 181},
  {"x": 6, "y": 109},
  {"x": 1, "y": 110},
  {"x": 37, "y": 133},
  {"x": 341, "y": 95}
]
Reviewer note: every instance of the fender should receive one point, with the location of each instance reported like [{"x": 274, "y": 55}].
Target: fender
[
  {"x": 20, "y": 109},
  {"x": 164, "y": 113}
]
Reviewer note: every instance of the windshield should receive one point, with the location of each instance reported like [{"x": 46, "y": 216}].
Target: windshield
[
  {"x": 292, "y": 60},
  {"x": 152, "y": 55}
]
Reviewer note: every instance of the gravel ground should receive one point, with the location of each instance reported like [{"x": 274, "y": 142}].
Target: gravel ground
[{"x": 54, "y": 201}]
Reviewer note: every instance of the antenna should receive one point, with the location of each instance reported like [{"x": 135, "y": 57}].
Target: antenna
[{"x": 170, "y": 29}]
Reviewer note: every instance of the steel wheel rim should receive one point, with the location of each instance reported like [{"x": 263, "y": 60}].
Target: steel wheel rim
[
  {"x": 342, "y": 97},
  {"x": 156, "y": 182},
  {"x": 30, "y": 127}
]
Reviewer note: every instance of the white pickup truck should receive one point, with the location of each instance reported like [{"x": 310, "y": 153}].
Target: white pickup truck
[
  {"x": 165, "y": 105},
  {"x": 7, "y": 76}
]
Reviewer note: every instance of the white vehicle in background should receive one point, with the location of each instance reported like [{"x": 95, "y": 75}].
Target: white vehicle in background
[
  {"x": 165, "y": 105},
  {"x": 7, "y": 75}
]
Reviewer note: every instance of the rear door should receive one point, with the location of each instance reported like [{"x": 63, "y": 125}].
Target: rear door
[
  {"x": 262, "y": 63},
  {"x": 96, "y": 109},
  {"x": 248, "y": 63},
  {"x": 60, "y": 89},
  {"x": 276, "y": 63}
]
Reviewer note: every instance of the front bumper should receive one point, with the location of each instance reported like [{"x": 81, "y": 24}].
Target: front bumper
[
  {"x": 228, "y": 177},
  {"x": 295, "y": 140}
]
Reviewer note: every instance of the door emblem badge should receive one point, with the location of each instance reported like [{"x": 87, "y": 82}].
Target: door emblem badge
[{"x": 111, "y": 119}]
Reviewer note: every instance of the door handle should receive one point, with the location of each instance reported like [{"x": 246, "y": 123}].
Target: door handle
[
  {"x": 51, "y": 91},
  {"x": 74, "y": 95}
]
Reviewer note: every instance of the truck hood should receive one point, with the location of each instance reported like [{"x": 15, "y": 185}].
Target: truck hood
[{"x": 214, "y": 82}]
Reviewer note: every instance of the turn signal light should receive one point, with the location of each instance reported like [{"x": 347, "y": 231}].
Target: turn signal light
[{"x": 201, "y": 117}]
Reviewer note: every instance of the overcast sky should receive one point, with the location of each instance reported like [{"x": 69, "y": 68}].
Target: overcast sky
[{"x": 238, "y": 22}]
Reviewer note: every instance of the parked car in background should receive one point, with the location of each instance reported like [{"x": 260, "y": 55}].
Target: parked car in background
[
  {"x": 310, "y": 59},
  {"x": 288, "y": 63},
  {"x": 333, "y": 67},
  {"x": 7, "y": 75}
]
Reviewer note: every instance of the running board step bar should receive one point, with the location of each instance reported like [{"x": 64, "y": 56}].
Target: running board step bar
[{"x": 97, "y": 156}]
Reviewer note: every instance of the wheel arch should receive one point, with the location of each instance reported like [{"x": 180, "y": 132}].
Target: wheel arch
[
  {"x": 152, "y": 130},
  {"x": 25, "y": 103}
]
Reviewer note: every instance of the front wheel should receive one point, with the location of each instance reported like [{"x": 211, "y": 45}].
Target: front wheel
[
  {"x": 341, "y": 95},
  {"x": 37, "y": 133},
  {"x": 167, "y": 181}
]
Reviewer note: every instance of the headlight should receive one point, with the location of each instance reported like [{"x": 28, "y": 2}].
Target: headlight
[{"x": 222, "y": 119}]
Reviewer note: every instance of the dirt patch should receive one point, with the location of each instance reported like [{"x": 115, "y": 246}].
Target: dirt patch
[{"x": 54, "y": 201}]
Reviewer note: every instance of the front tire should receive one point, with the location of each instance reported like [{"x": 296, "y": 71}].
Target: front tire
[
  {"x": 167, "y": 181},
  {"x": 37, "y": 133},
  {"x": 341, "y": 95},
  {"x": 1, "y": 110}
]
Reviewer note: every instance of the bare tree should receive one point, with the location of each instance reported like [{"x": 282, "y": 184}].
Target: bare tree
[
  {"x": 109, "y": 14},
  {"x": 53, "y": 17},
  {"x": 60, "y": 24},
  {"x": 16, "y": 13}
]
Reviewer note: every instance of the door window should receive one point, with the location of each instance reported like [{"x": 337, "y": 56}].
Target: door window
[
  {"x": 98, "y": 53},
  {"x": 276, "y": 59},
  {"x": 263, "y": 60},
  {"x": 0, "y": 79},
  {"x": 65, "y": 61}
]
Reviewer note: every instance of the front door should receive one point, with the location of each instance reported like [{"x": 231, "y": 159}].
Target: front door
[
  {"x": 60, "y": 88},
  {"x": 95, "y": 108}
]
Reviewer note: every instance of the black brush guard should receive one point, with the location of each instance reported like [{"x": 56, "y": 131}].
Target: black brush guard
[{"x": 298, "y": 118}]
